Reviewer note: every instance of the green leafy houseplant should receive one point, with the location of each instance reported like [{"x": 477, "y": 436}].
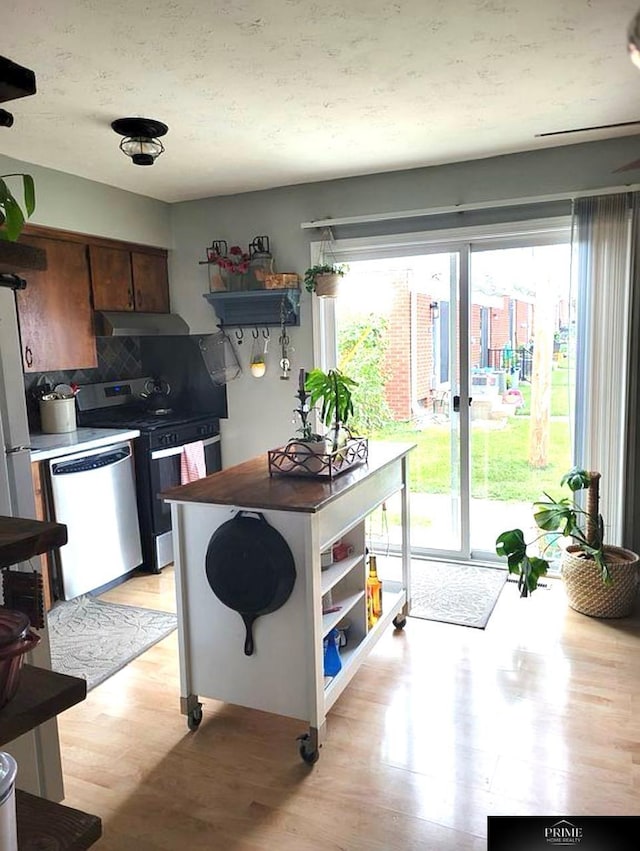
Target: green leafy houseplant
[
  {"x": 333, "y": 390},
  {"x": 311, "y": 275},
  {"x": 589, "y": 567},
  {"x": 12, "y": 217},
  {"x": 565, "y": 518}
]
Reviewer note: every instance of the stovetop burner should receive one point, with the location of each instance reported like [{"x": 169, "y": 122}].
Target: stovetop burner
[
  {"x": 121, "y": 405},
  {"x": 140, "y": 419}
]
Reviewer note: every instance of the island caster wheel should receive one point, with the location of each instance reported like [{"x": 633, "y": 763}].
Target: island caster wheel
[
  {"x": 309, "y": 754},
  {"x": 194, "y": 717},
  {"x": 399, "y": 621}
]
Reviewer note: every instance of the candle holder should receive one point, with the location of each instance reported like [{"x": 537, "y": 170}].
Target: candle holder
[{"x": 303, "y": 410}]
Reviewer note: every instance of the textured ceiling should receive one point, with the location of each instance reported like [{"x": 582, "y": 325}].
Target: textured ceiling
[{"x": 263, "y": 93}]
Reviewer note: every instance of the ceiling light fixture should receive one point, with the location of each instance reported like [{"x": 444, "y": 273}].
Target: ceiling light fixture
[
  {"x": 633, "y": 40},
  {"x": 141, "y": 141}
]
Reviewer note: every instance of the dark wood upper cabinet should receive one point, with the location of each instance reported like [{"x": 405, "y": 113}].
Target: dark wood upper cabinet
[
  {"x": 150, "y": 282},
  {"x": 111, "y": 279},
  {"x": 127, "y": 279},
  {"x": 76, "y": 274},
  {"x": 55, "y": 312}
]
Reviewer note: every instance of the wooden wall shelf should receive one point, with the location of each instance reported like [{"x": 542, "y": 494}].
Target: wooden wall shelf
[
  {"x": 16, "y": 257},
  {"x": 41, "y": 695},
  {"x": 44, "y": 824},
  {"x": 22, "y": 539},
  {"x": 256, "y": 307}
]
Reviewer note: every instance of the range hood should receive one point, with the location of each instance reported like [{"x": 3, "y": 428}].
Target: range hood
[{"x": 131, "y": 324}]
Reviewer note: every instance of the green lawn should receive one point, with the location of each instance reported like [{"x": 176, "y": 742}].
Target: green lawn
[
  {"x": 499, "y": 459},
  {"x": 499, "y": 465},
  {"x": 560, "y": 395}
]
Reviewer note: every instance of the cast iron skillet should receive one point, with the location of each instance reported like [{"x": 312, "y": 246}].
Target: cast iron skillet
[{"x": 250, "y": 568}]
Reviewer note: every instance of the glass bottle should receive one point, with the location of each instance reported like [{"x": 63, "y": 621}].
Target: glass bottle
[{"x": 374, "y": 593}]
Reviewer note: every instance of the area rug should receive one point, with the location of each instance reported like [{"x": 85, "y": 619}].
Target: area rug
[
  {"x": 93, "y": 639},
  {"x": 455, "y": 593}
]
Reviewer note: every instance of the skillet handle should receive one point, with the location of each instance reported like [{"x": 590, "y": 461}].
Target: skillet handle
[
  {"x": 248, "y": 619},
  {"x": 256, "y": 514}
]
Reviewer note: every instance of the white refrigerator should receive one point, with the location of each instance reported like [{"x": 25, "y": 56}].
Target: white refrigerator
[{"x": 37, "y": 752}]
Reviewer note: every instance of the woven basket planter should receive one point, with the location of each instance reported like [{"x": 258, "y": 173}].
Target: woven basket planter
[
  {"x": 587, "y": 593},
  {"x": 327, "y": 285}
]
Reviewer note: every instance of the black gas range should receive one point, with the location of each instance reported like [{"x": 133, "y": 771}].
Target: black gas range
[
  {"x": 161, "y": 429},
  {"x": 164, "y": 433}
]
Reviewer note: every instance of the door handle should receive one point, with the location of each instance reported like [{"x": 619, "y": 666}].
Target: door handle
[{"x": 456, "y": 403}]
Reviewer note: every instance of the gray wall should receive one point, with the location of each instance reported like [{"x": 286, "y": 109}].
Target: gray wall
[
  {"x": 75, "y": 204},
  {"x": 260, "y": 410}
]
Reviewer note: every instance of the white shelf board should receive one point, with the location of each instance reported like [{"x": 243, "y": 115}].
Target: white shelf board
[
  {"x": 332, "y": 619},
  {"x": 332, "y": 575},
  {"x": 352, "y": 657}
]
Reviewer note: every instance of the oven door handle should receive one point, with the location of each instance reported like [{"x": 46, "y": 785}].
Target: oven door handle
[{"x": 177, "y": 450}]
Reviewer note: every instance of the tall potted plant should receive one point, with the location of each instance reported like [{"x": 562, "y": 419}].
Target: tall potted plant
[{"x": 601, "y": 580}]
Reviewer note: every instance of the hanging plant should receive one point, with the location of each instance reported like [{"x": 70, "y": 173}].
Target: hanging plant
[
  {"x": 314, "y": 276},
  {"x": 12, "y": 217}
]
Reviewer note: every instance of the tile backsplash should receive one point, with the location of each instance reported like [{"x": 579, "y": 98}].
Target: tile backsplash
[
  {"x": 118, "y": 357},
  {"x": 176, "y": 359}
]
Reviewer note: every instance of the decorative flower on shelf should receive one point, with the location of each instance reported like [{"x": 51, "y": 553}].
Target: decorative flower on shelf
[{"x": 236, "y": 261}]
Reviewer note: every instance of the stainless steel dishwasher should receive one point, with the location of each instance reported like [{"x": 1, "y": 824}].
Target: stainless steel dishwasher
[{"x": 94, "y": 495}]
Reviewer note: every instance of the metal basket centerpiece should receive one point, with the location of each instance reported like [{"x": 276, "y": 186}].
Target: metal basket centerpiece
[{"x": 301, "y": 458}]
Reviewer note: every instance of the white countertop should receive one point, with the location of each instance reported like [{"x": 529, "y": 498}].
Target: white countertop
[{"x": 45, "y": 446}]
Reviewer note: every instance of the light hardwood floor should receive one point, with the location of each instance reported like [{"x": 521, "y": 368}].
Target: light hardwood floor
[{"x": 538, "y": 714}]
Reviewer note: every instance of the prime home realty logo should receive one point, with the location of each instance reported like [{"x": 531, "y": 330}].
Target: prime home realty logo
[
  {"x": 554, "y": 832},
  {"x": 563, "y": 833}
]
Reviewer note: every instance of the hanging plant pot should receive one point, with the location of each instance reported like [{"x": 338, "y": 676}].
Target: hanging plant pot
[{"x": 327, "y": 285}]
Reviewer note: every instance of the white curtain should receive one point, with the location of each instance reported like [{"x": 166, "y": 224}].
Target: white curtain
[{"x": 601, "y": 247}]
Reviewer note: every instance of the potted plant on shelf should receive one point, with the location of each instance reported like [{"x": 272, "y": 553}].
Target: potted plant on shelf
[
  {"x": 324, "y": 279},
  {"x": 333, "y": 390},
  {"x": 600, "y": 580},
  {"x": 12, "y": 216}
]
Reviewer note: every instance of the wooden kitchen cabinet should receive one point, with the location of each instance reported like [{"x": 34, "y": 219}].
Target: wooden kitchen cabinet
[
  {"x": 55, "y": 314},
  {"x": 124, "y": 279},
  {"x": 150, "y": 282},
  {"x": 111, "y": 280}
]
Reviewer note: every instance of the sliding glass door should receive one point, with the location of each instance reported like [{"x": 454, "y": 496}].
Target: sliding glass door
[
  {"x": 521, "y": 383},
  {"x": 466, "y": 350}
]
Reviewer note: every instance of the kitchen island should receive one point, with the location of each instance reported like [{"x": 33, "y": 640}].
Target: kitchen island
[{"x": 285, "y": 672}]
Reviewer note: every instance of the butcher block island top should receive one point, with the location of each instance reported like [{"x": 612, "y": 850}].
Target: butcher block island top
[{"x": 250, "y": 485}]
